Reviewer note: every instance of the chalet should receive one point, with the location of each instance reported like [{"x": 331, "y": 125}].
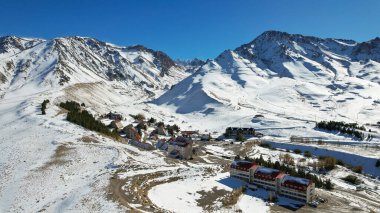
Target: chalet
[
  {"x": 190, "y": 133},
  {"x": 234, "y": 131},
  {"x": 162, "y": 131},
  {"x": 274, "y": 180},
  {"x": 181, "y": 147},
  {"x": 131, "y": 133}
]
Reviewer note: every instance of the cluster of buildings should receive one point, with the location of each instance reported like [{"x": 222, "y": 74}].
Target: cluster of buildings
[
  {"x": 274, "y": 180},
  {"x": 180, "y": 147}
]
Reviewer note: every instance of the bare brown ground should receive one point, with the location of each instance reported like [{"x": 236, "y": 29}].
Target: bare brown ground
[
  {"x": 133, "y": 191},
  {"x": 58, "y": 158},
  {"x": 208, "y": 198},
  {"x": 89, "y": 139}
]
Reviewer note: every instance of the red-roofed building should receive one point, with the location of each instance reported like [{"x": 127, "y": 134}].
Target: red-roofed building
[{"x": 274, "y": 180}]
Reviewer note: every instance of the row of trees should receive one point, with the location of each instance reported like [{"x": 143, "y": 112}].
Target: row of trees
[
  {"x": 43, "y": 106},
  {"x": 319, "y": 183},
  {"x": 344, "y": 128},
  {"x": 85, "y": 119}
]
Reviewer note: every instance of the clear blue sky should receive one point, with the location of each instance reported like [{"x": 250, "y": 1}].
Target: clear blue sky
[{"x": 189, "y": 28}]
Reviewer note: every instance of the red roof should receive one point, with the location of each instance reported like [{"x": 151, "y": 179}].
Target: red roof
[
  {"x": 242, "y": 165},
  {"x": 266, "y": 173},
  {"x": 295, "y": 183}
]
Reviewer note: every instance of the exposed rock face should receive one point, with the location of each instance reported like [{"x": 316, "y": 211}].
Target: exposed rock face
[{"x": 70, "y": 60}]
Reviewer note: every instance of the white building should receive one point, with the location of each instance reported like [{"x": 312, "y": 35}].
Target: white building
[
  {"x": 181, "y": 147},
  {"x": 274, "y": 180}
]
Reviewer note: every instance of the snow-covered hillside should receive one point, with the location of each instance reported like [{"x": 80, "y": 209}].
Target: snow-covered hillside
[
  {"x": 290, "y": 79},
  {"x": 67, "y": 61},
  {"x": 279, "y": 84}
]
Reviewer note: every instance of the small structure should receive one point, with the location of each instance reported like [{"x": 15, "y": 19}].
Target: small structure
[
  {"x": 116, "y": 125},
  {"x": 161, "y": 131},
  {"x": 181, "y": 147},
  {"x": 190, "y": 134},
  {"x": 131, "y": 133},
  {"x": 274, "y": 180}
]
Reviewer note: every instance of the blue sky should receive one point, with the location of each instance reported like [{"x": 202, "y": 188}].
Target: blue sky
[{"x": 187, "y": 29}]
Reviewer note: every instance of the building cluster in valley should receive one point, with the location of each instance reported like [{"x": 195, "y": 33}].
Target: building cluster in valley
[
  {"x": 150, "y": 135},
  {"x": 153, "y": 135},
  {"x": 274, "y": 180},
  {"x": 179, "y": 144}
]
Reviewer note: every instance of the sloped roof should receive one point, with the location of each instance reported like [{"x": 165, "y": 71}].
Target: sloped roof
[
  {"x": 295, "y": 180},
  {"x": 242, "y": 165}
]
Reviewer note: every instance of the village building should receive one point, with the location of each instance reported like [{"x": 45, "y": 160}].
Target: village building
[
  {"x": 190, "y": 134},
  {"x": 274, "y": 180},
  {"x": 161, "y": 131},
  {"x": 181, "y": 147},
  {"x": 116, "y": 125},
  {"x": 131, "y": 133}
]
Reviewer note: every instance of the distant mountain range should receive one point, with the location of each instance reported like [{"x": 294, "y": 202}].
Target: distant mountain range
[
  {"x": 69, "y": 60},
  {"x": 276, "y": 72},
  {"x": 288, "y": 75}
]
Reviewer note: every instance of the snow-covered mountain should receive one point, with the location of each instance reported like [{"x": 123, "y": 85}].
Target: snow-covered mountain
[
  {"x": 191, "y": 65},
  {"x": 67, "y": 61},
  {"x": 284, "y": 75}
]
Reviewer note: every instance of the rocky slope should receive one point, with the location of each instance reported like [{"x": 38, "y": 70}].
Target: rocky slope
[{"x": 66, "y": 61}]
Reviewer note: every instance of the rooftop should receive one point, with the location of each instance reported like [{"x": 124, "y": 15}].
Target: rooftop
[
  {"x": 295, "y": 180},
  {"x": 242, "y": 164}
]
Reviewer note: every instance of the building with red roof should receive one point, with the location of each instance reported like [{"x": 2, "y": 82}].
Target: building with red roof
[{"x": 273, "y": 180}]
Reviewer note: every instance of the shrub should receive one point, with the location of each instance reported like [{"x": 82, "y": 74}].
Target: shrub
[
  {"x": 340, "y": 162},
  {"x": 357, "y": 169},
  {"x": 307, "y": 154},
  {"x": 138, "y": 117},
  {"x": 328, "y": 185},
  {"x": 160, "y": 124},
  {"x": 240, "y": 137},
  {"x": 352, "y": 179},
  {"x": 43, "y": 106},
  {"x": 70, "y": 106},
  {"x": 265, "y": 145},
  {"x": 378, "y": 163},
  {"x": 152, "y": 120},
  {"x": 297, "y": 151}
]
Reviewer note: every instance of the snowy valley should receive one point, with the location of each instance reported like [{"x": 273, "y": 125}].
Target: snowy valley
[{"x": 279, "y": 84}]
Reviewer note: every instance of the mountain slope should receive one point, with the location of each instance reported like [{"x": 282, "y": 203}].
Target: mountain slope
[
  {"x": 285, "y": 75},
  {"x": 70, "y": 60}
]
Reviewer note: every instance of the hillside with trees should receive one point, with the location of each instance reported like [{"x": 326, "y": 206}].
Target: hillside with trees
[
  {"x": 85, "y": 119},
  {"x": 343, "y": 128}
]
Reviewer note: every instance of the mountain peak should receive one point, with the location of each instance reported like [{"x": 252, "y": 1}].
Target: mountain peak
[{"x": 13, "y": 43}]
